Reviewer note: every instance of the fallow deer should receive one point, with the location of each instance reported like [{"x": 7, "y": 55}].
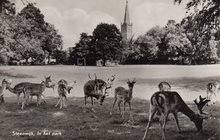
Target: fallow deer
[
  {"x": 34, "y": 89},
  {"x": 63, "y": 88},
  {"x": 18, "y": 89},
  {"x": 164, "y": 86},
  {"x": 96, "y": 88},
  {"x": 125, "y": 96},
  {"x": 167, "y": 102}
]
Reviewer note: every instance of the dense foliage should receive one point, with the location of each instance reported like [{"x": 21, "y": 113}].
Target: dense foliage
[
  {"x": 27, "y": 36},
  {"x": 104, "y": 44}
]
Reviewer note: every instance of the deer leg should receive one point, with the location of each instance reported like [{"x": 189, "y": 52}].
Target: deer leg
[
  {"x": 65, "y": 103},
  {"x": 129, "y": 103},
  {"x": 43, "y": 98},
  {"x": 119, "y": 106},
  {"x": 85, "y": 98},
  {"x": 176, "y": 120},
  {"x": 38, "y": 100},
  {"x": 2, "y": 100},
  {"x": 24, "y": 102},
  {"x": 123, "y": 114},
  {"x": 151, "y": 115},
  {"x": 31, "y": 99},
  {"x": 61, "y": 103},
  {"x": 92, "y": 104},
  {"x": 18, "y": 95},
  {"x": 164, "y": 124},
  {"x": 113, "y": 106},
  {"x": 58, "y": 102}
]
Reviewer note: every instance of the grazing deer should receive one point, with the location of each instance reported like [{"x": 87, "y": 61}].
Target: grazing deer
[
  {"x": 164, "y": 86},
  {"x": 2, "y": 88},
  {"x": 125, "y": 95},
  {"x": 167, "y": 102},
  {"x": 212, "y": 89},
  {"x": 18, "y": 89},
  {"x": 63, "y": 88},
  {"x": 96, "y": 88}
]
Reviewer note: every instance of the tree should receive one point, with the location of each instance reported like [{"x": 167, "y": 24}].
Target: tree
[
  {"x": 200, "y": 25},
  {"x": 52, "y": 41},
  {"x": 107, "y": 42},
  {"x": 83, "y": 49},
  {"x": 205, "y": 13}
]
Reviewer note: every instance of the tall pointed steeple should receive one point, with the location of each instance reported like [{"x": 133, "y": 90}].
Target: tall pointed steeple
[
  {"x": 126, "y": 17},
  {"x": 126, "y": 26}
]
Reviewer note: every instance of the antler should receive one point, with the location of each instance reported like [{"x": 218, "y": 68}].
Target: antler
[
  {"x": 89, "y": 76},
  {"x": 202, "y": 102},
  {"x": 134, "y": 80}
]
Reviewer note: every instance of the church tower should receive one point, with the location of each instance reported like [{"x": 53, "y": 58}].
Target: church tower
[{"x": 126, "y": 26}]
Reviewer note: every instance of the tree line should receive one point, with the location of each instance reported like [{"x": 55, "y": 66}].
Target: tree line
[{"x": 176, "y": 43}]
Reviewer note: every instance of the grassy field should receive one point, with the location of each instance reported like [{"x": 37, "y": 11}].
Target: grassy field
[{"x": 47, "y": 122}]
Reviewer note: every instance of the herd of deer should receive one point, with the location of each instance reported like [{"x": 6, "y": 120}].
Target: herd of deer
[{"x": 162, "y": 102}]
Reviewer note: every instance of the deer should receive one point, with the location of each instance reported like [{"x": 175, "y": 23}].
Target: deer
[
  {"x": 34, "y": 89},
  {"x": 63, "y": 89},
  {"x": 212, "y": 89},
  {"x": 125, "y": 96},
  {"x": 2, "y": 88},
  {"x": 164, "y": 86},
  {"x": 167, "y": 102},
  {"x": 96, "y": 88},
  {"x": 18, "y": 89}
]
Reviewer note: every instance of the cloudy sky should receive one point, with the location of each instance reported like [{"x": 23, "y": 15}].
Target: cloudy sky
[{"x": 72, "y": 17}]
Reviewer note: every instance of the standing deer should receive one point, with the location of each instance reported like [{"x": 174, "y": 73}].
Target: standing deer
[
  {"x": 164, "y": 86},
  {"x": 167, "y": 102},
  {"x": 96, "y": 88},
  {"x": 34, "y": 89},
  {"x": 212, "y": 89},
  {"x": 125, "y": 96},
  {"x": 63, "y": 88},
  {"x": 2, "y": 88},
  {"x": 18, "y": 89}
]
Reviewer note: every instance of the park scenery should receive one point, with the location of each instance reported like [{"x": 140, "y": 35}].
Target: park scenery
[{"x": 109, "y": 70}]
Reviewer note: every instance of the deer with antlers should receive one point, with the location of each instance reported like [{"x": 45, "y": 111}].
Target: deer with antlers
[
  {"x": 96, "y": 88},
  {"x": 63, "y": 89},
  {"x": 167, "y": 102},
  {"x": 125, "y": 96},
  {"x": 164, "y": 86}
]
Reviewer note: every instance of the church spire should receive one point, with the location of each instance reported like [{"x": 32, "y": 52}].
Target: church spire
[
  {"x": 126, "y": 17},
  {"x": 126, "y": 26}
]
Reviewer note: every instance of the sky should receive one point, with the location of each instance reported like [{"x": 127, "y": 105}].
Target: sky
[{"x": 72, "y": 17}]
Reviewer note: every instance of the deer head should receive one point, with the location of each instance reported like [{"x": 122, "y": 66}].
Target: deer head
[
  {"x": 131, "y": 84},
  {"x": 47, "y": 80}
]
